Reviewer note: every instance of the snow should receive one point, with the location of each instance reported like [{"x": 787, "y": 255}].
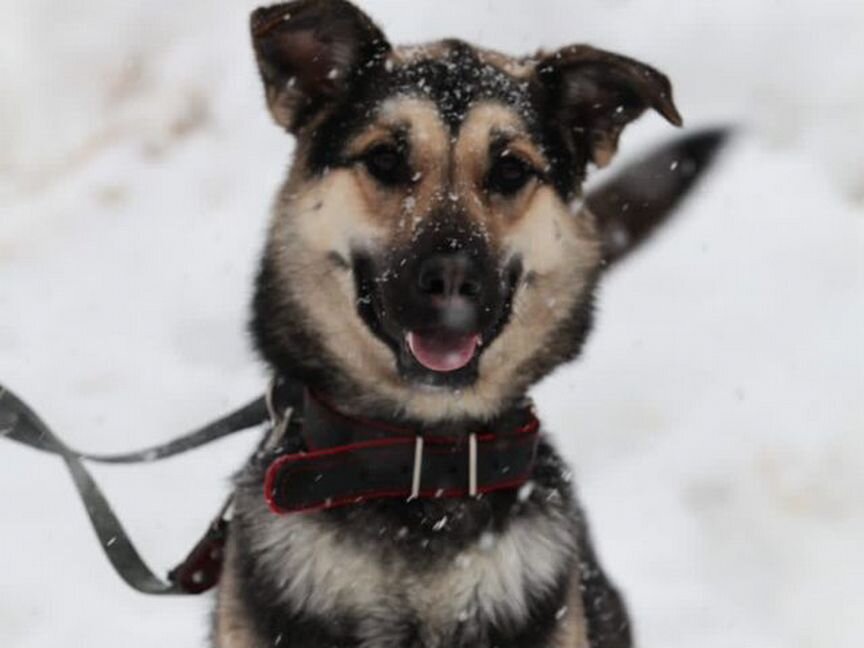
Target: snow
[{"x": 715, "y": 423}]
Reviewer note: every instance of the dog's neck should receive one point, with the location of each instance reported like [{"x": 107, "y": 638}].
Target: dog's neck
[
  {"x": 326, "y": 424},
  {"x": 354, "y": 399},
  {"x": 326, "y": 459}
]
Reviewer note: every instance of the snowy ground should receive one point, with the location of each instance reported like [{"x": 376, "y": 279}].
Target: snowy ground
[{"x": 716, "y": 422}]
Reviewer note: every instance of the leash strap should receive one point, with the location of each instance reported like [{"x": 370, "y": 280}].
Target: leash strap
[{"x": 200, "y": 570}]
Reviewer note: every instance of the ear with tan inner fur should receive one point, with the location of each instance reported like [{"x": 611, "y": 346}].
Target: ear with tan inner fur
[
  {"x": 594, "y": 94},
  {"x": 309, "y": 53}
]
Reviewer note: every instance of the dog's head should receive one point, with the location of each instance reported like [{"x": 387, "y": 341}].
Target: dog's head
[{"x": 426, "y": 257}]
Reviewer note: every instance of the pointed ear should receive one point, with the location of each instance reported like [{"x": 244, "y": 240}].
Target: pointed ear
[
  {"x": 592, "y": 95},
  {"x": 310, "y": 52}
]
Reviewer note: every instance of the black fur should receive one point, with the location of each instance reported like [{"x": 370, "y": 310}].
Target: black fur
[
  {"x": 385, "y": 528},
  {"x": 290, "y": 347},
  {"x": 453, "y": 83},
  {"x": 574, "y": 107},
  {"x": 641, "y": 198}
]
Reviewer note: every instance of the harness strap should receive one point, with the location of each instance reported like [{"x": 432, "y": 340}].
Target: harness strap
[{"x": 200, "y": 570}]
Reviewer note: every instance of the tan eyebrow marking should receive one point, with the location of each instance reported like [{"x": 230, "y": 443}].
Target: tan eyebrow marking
[
  {"x": 518, "y": 68},
  {"x": 490, "y": 128},
  {"x": 520, "y": 144},
  {"x": 377, "y": 134},
  {"x": 415, "y": 122}
]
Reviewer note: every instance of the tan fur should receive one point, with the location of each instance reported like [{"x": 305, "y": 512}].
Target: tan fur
[
  {"x": 348, "y": 209},
  {"x": 519, "y": 68},
  {"x": 485, "y": 122},
  {"x": 560, "y": 251},
  {"x": 430, "y": 143},
  {"x": 232, "y": 620},
  {"x": 310, "y": 560},
  {"x": 408, "y": 54},
  {"x": 488, "y": 120},
  {"x": 327, "y": 218},
  {"x": 572, "y": 631}
]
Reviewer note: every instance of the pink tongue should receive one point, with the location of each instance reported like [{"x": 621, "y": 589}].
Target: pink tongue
[{"x": 443, "y": 354}]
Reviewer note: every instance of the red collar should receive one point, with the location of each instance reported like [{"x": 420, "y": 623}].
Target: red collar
[{"x": 347, "y": 460}]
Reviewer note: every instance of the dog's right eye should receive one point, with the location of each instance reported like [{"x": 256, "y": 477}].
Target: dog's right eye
[
  {"x": 388, "y": 165},
  {"x": 509, "y": 174}
]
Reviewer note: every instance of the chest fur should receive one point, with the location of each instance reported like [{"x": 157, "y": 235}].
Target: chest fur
[
  {"x": 439, "y": 573},
  {"x": 315, "y": 568}
]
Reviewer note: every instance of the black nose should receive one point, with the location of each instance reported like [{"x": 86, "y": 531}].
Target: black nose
[{"x": 450, "y": 275}]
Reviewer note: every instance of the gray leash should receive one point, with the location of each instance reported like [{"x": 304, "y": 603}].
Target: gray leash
[{"x": 200, "y": 570}]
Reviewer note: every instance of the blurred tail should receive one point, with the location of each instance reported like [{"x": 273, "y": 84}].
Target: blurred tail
[{"x": 630, "y": 206}]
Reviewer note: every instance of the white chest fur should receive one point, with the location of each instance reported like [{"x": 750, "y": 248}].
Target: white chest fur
[{"x": 319, "y": 569}]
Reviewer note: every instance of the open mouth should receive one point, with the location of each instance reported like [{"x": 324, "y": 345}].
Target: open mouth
[
  {"x": 427, "y": 351},
  {"x": 442, "y": 352}
]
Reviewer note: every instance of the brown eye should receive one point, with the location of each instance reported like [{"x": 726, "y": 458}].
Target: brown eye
[
  {"x": 387, "y": 164},
  {"x": 508, "y": 175}
]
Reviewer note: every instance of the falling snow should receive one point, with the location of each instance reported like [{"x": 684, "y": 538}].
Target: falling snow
[{"x": 127, "y": 247}]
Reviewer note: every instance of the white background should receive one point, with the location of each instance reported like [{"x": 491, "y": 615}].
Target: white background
[{"x": 716, "y": 421}]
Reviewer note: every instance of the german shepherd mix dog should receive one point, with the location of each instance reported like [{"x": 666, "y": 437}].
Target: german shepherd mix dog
[{"x": 430, "y": 259}]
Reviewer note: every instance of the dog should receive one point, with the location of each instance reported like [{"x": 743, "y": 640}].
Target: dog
[{"x": 431, "y": 257}]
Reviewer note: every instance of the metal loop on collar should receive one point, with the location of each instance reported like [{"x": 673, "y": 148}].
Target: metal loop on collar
[
  {"x": 472, "y": 464},
  {"x": 278, "y": 422},
  {"x": 418, "y": 468}
]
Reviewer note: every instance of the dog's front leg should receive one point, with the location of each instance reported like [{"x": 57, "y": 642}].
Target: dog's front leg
[
  {"x": 605, "y": 619},
  {"x": 572, "y": 630},
  {"x": 232, "y": 627}
]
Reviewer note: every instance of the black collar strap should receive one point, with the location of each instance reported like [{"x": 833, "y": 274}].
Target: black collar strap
[{"x": 348, "y": 460}]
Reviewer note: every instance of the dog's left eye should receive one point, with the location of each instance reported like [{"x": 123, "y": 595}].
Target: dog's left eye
[
  {"x": 388, "y": 165},
  {"x": 509, "y": 174}
]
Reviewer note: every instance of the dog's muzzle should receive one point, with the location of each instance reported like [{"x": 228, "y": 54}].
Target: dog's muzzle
[{"x": 438, "y": 305}]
